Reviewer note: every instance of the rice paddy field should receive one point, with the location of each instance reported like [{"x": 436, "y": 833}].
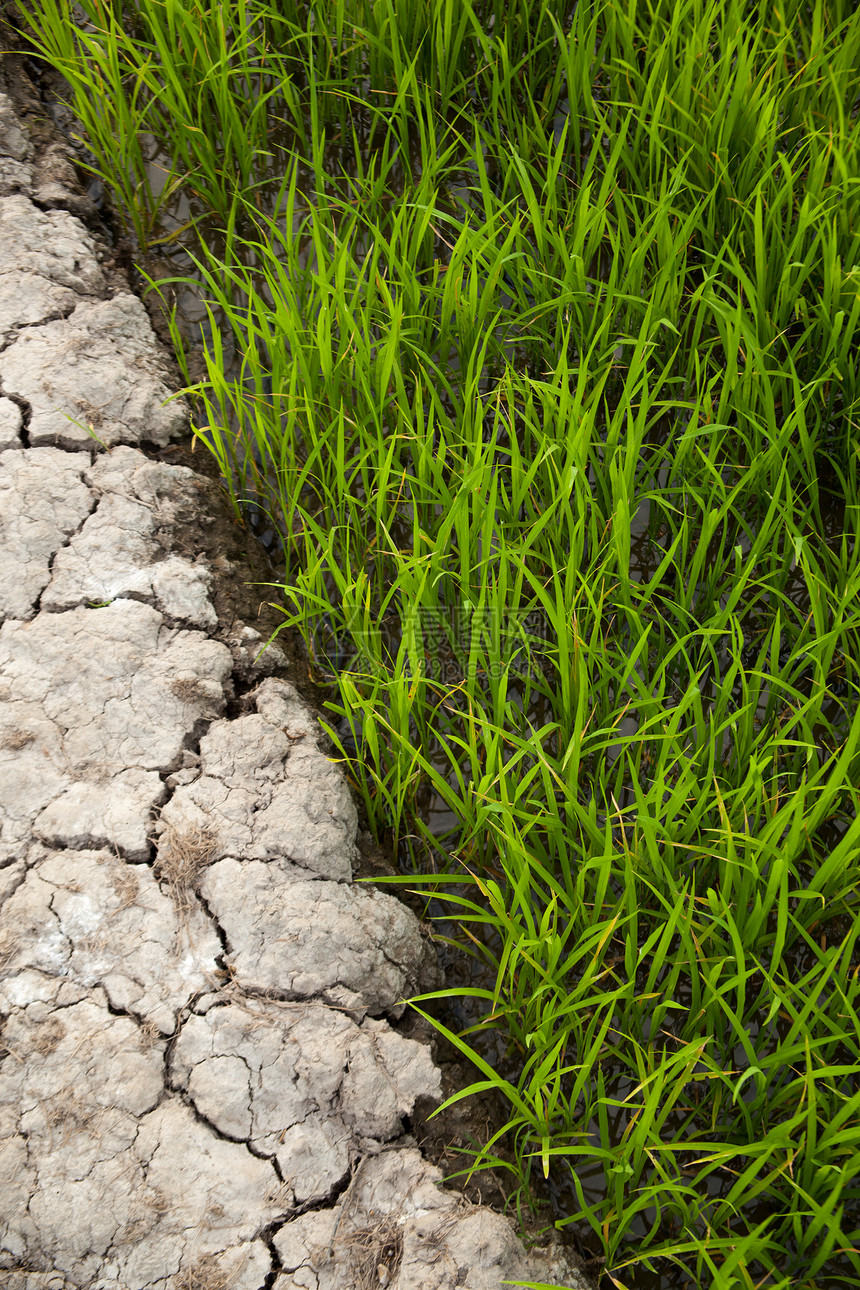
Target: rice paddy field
[{"x": 532, "y": 331}]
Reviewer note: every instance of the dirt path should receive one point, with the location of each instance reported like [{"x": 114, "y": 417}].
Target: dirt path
[{"x": 199, "y": 1085}]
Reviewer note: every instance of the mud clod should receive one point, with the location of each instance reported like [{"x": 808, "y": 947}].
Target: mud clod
[
  {"x": 100, "y": 359},
  {"x": 267, "y": 791}
]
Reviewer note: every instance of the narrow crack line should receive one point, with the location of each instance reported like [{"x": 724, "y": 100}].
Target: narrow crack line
[
  {"x": 74, "y": 206},
  {"x": 26, "y": 410},
  {"x": 50, "y": 906},
  {"x": 182, "y": 1017},
  {"x": 221, "y": 959},
  {"x": 331, "y": 1199},
  {"x": 17, "y": 330},
  {"x": 55, "y": 1005},
  {"x": 67, "y": 541},
  {"x": 267, "y": 1236},
  {"x": 185, "y": 1098},
  {"x": 91, "y": 843},
  {"x": 22, "y": 877},
  {"x": 150, "y": 1032}
]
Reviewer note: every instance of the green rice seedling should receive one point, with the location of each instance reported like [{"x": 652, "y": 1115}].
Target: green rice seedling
[
  {"x": 534, "y": 330},
  {"x": 208, "y": 93}
]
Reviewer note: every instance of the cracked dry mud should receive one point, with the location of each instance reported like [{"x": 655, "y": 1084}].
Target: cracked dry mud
[{"x": 200, "y": 1085}]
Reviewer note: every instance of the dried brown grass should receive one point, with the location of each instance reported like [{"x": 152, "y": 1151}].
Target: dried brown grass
[
  {"x": 16, "y": 739},
  {"x": 193, "y": 691},
  {"x": 182, "y": 855},
  {"x": 205, "y": 1274},
  {"x": 9, "y": 946},
  {"x": 125, "y": 888},
  {"x": 374, "y": 1254},
  {"x": 46, "y": 1037},
  {"x": 371, "y": 1255}
]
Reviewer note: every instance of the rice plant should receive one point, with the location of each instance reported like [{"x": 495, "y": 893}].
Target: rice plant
[{"x": 534, "y": 327}]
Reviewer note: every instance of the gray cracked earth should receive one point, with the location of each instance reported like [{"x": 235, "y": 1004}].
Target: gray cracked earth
[{"x": 200, "y": 1087}]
